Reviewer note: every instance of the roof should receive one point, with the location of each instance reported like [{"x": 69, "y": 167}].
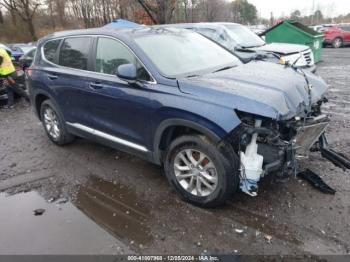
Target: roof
[
  {"x": 116, "y": 32},
  {"x": 214, "y": 25}
]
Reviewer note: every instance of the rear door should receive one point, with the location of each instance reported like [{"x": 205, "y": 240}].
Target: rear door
[
  {"x": 68, "y": 78},
  {"x": 118, "y": 111}
]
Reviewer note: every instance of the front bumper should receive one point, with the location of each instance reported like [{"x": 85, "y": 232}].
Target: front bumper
[
  {"x": 311, "y": 69},
  {"x": 308, "y": 135},
  {"x": 282, "y": 144}
]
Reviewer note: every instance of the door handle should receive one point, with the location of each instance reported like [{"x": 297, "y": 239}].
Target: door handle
[
  {"x": 52, "y": 77},
  {"x": 95, "y": 85}
]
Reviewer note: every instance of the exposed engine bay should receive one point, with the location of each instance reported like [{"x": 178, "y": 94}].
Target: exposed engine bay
[{"x": 266, "y": 146}]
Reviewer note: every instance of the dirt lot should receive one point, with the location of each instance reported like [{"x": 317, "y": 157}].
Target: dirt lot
[{"x": 101, "y": 201}]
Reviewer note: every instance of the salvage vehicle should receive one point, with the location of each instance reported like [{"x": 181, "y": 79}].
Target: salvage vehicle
[
  {"x": 177, "y": 99},
  {"x": 243, "y": 42}
]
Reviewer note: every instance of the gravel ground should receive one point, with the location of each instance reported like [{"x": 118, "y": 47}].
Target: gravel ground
[{"x": 132, "y": 201}]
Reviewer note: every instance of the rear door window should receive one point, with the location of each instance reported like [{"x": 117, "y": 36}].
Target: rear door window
[
  {"x": 74, "y": 52},
  {"x": 50, "y": 49},
  {"x": 111, "y": 53}
]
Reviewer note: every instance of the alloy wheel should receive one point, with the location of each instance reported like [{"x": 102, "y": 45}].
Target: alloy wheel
[
  {"x": 337, "y": 43},
  {"x": 195, "y": 172},
  {"x": 51, "y": 123}
]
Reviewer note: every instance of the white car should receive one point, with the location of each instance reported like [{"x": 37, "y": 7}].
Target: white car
[{"x": 244, "y": 43}]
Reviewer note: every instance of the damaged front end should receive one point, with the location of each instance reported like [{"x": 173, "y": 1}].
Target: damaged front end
[{"x": 267, "y": 146}]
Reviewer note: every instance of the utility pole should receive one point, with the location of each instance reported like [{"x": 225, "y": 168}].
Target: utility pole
[{"x": 313, "y": 12}]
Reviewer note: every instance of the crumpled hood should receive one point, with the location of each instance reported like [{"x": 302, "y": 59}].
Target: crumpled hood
[
  {"x": 281, "y": 48},
  {"x": 261, "y": 88}
]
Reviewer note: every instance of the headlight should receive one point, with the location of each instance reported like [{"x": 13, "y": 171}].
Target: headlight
[{"x": 291, "y": 59}]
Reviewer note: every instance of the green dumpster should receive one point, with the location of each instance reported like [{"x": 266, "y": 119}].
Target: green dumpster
[{"x": 293, "y": 32}]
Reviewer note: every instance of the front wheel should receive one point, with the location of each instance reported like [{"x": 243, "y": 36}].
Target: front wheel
[{"x": 200, "y": 172}]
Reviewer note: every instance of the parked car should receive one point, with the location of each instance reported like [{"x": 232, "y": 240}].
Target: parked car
[
  {"x": 16, "y": 52},
  {"x": 241, "y": 41},
  {"x": 27, "y": 58},
  {"x": 337, "y": 36},
  {"x": 180, "y": 101},
  {"x": 321, "y": 28}
]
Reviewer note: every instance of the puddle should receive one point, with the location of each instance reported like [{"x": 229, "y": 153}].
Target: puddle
[
  {"x": 61, "y": 229},
  {"x": 117, "y": 208},
  {"x": 103, "y": 217}
]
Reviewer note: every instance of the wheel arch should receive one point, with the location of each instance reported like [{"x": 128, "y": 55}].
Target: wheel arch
[
  {"x": 39, "y": 98},
  {"x": 166, "y": 130}
]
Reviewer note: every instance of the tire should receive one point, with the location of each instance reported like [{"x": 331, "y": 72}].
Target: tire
[
  {"x": 58, "y": 132},
  {"x": 337, "y": 42},
  {"x": 216, "y": 169}
]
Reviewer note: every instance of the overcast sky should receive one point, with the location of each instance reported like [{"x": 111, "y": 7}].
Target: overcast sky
[{"x": 330, "y": 8}]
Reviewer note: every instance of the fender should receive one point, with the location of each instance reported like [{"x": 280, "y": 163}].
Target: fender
[{"x": 212, "y": 131}]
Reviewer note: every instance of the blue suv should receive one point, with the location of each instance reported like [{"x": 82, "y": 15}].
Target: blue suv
[{"x": 179, "y": 100}]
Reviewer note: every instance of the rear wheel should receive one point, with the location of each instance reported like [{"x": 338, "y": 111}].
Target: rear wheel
[
  {"x": 53, "y": 124},
  {"x": 337, "y": 43},
  {"x": 199, "y": 171}
]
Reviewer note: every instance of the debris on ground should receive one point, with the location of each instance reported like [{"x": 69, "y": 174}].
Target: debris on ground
[
  {"x": 39, "y": 212},
  {"x": 268, "y": 238},
  {"x": 239, "y": 231},
  {"x": 62, "y": 201},
  {"x": 316, "y": 181}
]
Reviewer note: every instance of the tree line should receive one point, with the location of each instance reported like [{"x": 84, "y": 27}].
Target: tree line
[{"x": 27, "y": 20}]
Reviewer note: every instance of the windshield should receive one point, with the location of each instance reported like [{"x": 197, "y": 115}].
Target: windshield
[
  {"x": 244, "y": 36},
  {"x": 185, "y": 53}
]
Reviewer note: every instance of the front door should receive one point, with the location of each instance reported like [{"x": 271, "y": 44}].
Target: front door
[{"x": 118, "y": 111}]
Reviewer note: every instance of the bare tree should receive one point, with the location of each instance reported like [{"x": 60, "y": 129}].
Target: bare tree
[
  {"x": 26, "y": 10},
  {"x": 160, "y": 11},
  {"x": 1, "y": 17},
  {"x": 10, "y": 6},
  {"x": 60, "y": 6}
]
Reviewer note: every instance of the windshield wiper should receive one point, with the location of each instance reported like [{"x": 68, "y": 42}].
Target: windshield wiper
[
  {"x": 190, "y": 76},
  {"x": 224, "y": 68}
]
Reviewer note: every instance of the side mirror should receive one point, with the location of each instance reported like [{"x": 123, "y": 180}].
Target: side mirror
[{"x": 127, "y": 72}]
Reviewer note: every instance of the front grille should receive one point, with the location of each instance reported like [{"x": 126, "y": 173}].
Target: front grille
[{"x": 308, "y": 57}]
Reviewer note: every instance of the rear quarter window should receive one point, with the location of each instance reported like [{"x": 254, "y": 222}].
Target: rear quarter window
[
  {"x": 74, "y": 52},
  {"x": 50, "y": 49}
]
